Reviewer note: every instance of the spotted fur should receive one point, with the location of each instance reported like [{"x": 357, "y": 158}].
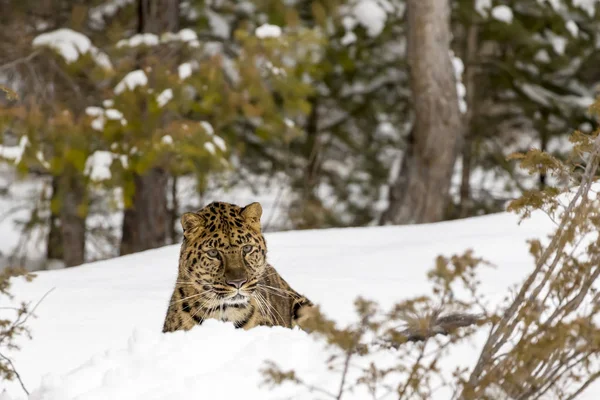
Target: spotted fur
[{"x": 223, "y": 248}]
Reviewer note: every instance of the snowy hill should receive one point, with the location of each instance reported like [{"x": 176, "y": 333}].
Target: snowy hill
[{"x": 98, "y": 334}]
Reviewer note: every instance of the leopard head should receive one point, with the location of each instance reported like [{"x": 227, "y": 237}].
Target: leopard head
[{"x": 224, "y": 252}]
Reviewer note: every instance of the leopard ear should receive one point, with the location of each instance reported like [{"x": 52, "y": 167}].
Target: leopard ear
[
  {"x": 191, "y": 223},
  {"x": 251, "y": 214}
]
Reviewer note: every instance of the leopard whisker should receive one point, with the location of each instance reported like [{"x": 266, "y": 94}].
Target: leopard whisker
[
  {"x": 267, "y": 313},
  {"x": 189, "y": 297},
  {"x": 280, "y": 290},
  {"x": 273, "y": 309}
]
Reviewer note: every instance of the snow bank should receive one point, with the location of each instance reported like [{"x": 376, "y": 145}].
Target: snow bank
[
  {"x": 70, "y": 45},
  {"x": 133, "y": 373},
  {"x": 98, "y": 332}
]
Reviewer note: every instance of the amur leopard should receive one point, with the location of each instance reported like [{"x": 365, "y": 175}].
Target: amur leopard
[{"x": 224, "y": 274}]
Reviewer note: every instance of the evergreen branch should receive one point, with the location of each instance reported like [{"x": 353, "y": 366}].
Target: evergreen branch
[{"x": 22, "y": 60}]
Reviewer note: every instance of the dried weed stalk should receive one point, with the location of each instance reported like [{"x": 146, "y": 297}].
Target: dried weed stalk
[{"x": 542, "y": 344}]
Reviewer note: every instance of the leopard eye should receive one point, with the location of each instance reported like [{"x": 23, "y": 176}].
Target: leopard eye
[
  {"x": 247, "y": 249},
  {"x": 212, "y": 253}
]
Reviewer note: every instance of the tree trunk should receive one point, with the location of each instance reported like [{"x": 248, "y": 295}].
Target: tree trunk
[
  {"x": 309, "y": 212},
  {"x": 174, "y": 211},
  {"x": 470, "y": 117},
  {"x": 54, "y": 247},
  {"x": 158, "y": 16},
  {"x": 145, "y": 223},
  {"x": 72, "y": 218},
  {"x": 420, "y": 193}
]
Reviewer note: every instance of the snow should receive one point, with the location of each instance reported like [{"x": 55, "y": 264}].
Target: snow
[
  {"x": 219, "y": 25},
  {"x": 461, "y": 90},
  {"x": 112, "y": 113},
  {"x": 545, "y": 97},
  {"x": 219, "y": 142},
  {"x": 101, "y": 115},
  {"x": 70, "y": 45},
  {"x": 94, "y": 111},
  {"x": 146, "y": 39},
  {"x": 98, "y": 334},
  {"x": 572, "y": 28},
  {"x": 14, "y": 153},
  {"x": 18, "y": 201},
  {"x": 503, "y": 13},
  {"x": 184, "y": 70},
  {"x": 348, "y": 38},
  {"x": 559, "y": 43},
  {"x": 555, "y": 4},
  {"x": 97, "y": 124},
  {"x": 97, "y": 166},
  {"x": 268, "y": 31},
  {"x": 482, "y": 6},
  {"x": 588, "y": 6},
  {"x": 167, "y": 139},
  {"x": 542, "y": 56},
  {"x": 108, "y": 103},
  {"x": 107, "y": 9},
  {"x": 149, "y": 39},
  {"x": 185, "y": 35},
  {"x": 40, "y": 157},
  {"x": 210, "y": 148},
  {"x": 132, "y": 80},
  {"x": 164, "y": 97},
  {"x": 208, "y": 128},
  {"x": 371, "y": 15}
]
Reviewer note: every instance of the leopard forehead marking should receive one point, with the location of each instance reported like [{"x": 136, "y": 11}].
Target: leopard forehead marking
[
  {"x": 225, "y": 229},
  {"x": 225, "y": 226}
]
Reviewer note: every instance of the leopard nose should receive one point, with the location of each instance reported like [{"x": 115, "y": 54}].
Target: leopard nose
[{"x": 237, "y": 283}]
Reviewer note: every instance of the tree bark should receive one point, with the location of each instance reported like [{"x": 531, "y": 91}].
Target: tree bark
[
  {"x": 420, "y": 193},
  {"x": 174, "y": 211},
  {"x": 72, "y": 220},
  {"x": 158, "y": 16},
  {"x": 54, "y": 247},
  {"x": 145, "y": 224},
  {"x": 470, "y": 117}
]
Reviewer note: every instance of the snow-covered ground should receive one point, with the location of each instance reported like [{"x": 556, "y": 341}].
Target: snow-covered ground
[{"x": 98, "y": 333}]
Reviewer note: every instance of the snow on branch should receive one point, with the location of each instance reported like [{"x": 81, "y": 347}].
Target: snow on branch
[{"x": 71, "y": 45}]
